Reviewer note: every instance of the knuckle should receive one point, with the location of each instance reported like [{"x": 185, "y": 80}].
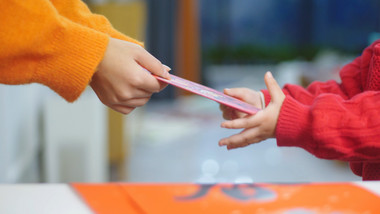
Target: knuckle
[
  {"x": 245, "y": 140},
  {"x": 137, "y": 81},
  {"x": 138, "y": 51},
  {"x": 245, "y": 123},
  {"x": 111, "y": 100},
  {"x": 142, "y": 102},
  {"x": 123, "y": 96}
]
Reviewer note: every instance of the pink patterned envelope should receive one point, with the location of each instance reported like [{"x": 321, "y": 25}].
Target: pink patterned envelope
[{"x": 210, "y": 94}]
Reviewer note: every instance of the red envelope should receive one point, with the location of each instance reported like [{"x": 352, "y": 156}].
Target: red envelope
[{"x": 210, "y": 94}]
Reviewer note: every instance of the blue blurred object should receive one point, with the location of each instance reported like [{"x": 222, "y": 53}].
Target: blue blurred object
[{"x": 295, "y": 25}]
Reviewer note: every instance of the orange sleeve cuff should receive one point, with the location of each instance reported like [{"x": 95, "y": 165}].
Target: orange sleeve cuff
[
  {"x": 39, "y": 45},
  {"x": 79, "y": 50}
]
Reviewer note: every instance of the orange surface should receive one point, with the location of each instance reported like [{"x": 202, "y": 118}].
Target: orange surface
[{"x": 228, "y": 198}]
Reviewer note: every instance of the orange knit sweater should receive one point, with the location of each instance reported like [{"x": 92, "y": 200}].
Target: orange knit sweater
[{"x": 57, "y": 43}]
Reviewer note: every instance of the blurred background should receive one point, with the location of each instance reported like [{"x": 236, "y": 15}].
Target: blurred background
[{"x": 174, "y": 138}]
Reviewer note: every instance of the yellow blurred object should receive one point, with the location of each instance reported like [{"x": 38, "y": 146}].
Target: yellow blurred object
[
  {"x": 116, "y": 149},
  {"x": 129, "y": 18}
]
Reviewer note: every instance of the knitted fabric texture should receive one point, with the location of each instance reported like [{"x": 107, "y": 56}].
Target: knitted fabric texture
[
  {"x": 56, "y": 43},
  {"x": 335, "y": 120}
]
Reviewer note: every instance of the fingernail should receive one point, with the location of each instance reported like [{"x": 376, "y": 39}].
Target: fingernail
[
  {"x": 269, "y": 74},
  {"x": 167, "y": 68},
  {"x": 166, "y": 74}
]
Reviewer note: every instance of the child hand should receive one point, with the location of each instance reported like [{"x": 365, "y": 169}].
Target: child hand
[
  {"x": 260, "y": 126},
  {"x": 121, "y": 81},
  {"x": 247, "y": 95}
]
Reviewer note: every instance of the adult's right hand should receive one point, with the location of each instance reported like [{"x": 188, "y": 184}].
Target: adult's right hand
[{"x": 121, "y": 81}]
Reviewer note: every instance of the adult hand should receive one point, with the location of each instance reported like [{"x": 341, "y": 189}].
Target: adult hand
[
  {"x": 121, "y": 81},
  {"x": 260, "y": 126}
]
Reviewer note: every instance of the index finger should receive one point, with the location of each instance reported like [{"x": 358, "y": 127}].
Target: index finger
[
  {"x": 150, "y": 83},
  {"x": 242, "y": 123},
  {"x": 152, "y": 64}
]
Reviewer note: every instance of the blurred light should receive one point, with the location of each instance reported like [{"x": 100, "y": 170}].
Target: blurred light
[{"x": 210, "y": 167}]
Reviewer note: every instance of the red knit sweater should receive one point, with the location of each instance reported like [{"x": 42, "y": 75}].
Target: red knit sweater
[{"x": 337, "y": 120}]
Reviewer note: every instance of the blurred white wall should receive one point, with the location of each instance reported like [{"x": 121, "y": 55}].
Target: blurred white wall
[
  {"x": 45, "y": 139},
  {"x": 19, "y": 132},
  {"x": 75, "y": 140}
]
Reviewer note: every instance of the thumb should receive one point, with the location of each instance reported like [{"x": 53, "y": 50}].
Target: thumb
[{"x": 273, "y": 88}]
